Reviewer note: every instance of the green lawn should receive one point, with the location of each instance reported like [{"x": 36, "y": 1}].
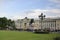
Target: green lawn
[{"x": 16, "y": 35}]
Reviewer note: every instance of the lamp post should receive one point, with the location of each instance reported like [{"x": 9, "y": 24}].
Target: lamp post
[{"x": 41, "y": 17}]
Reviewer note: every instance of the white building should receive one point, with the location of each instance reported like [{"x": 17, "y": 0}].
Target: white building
[{"x": 52, "y": 24}]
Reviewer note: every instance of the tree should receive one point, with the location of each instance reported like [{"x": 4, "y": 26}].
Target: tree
[
  {"x": 32, "y": 21},
  {"x": 3, "y": 22},
  {"x": 11, "y": 24}
]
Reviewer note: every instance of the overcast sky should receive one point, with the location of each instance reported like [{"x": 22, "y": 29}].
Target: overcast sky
[{"x": 17, "y": 9}]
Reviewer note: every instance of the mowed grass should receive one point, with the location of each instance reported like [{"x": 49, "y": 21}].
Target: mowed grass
[{"x": 21, "y": 35}]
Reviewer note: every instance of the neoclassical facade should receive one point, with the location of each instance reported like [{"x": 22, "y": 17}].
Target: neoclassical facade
[{"x": 52, "y": 24}]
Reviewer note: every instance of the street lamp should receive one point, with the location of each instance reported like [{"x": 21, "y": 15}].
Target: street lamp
[{"x": 41, "y": 17}]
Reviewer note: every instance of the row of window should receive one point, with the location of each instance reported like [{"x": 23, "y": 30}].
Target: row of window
[{"x": 49, "y": 24}]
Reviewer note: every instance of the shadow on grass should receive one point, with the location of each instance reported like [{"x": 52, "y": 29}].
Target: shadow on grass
[
  {"x": 57, "y": 38},
  {"x": 41, "y": 32}
]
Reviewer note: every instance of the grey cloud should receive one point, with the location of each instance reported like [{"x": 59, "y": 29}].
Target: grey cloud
[{"x": 55, "y": 1}]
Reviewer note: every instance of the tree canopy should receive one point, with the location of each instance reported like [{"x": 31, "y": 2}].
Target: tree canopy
[
  {"x": 4, "y": 22},
  {"x": 31, "y": 21}
]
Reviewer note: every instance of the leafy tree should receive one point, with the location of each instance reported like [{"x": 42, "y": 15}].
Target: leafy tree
[
  {"x": 11, "y": 23},
  {"x": 3, "y": 22},
  {"x": 32, "y": 21}
]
